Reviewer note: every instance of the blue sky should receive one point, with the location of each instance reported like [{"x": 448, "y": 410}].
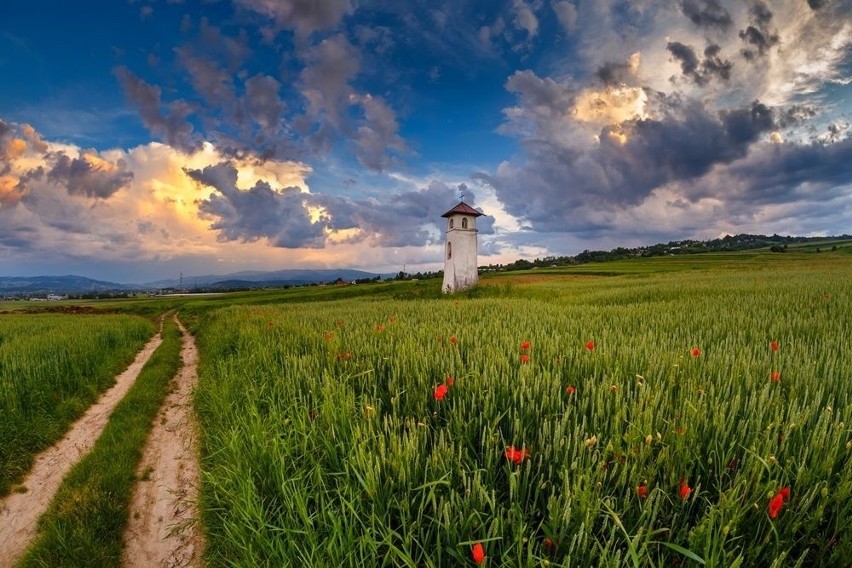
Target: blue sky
[{"x": 143, "y": 138}]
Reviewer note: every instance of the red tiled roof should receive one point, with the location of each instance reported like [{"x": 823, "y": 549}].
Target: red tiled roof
[{"x": 463, "y": 209}]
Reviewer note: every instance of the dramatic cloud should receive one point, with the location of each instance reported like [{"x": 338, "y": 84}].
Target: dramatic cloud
[
  {"x": 760, "y": 34},
  {"x": 706, "y": 13},
  {"x": 700, "y": 72},
  {"x": 89, "y": 175},
  {"x": 281, "y": 217}
]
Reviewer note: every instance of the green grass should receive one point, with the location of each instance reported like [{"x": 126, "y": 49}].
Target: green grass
[
  {"x": 313, "y": 457},
  {"x": 86, "y": 520},
  {"x": 52, "y": 367}
]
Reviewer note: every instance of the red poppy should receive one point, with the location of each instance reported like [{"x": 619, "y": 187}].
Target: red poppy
[
  {"x": 525, "y": 358},
  {"x": 379, "y": 328},
  {"x": 525, "y": 345},
  {"x": 450, "y": 381},
  {"x": 685, "y": 490},
  {"x": 695, "y": 352},
  {"x": 642, "y": 491},
  {"x": 570, "y": 389},
  {"x": 328, "y": 335},
  {"x": 777, "y": 502},
  {"x": 454, "y": 340},
  {"x": 477, "y": 553},
  {"x": 440, "y": 392},
  {"x": 549, "y": 545},
  {"x": 516, "y": 456},
  {"x": 392, "y": 319},
  {"x": 775, "y": 376},
  {"x": 774, "y": 346},
  {"x": 590, "y": 345}
]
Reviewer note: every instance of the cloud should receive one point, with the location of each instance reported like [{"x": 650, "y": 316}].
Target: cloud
[
  {"x": 566, "y": 13},
  {"x": 377, "y": 134},
  {"x": 700, "y": 71},
  {"x": 525, "y": 18},
  {"x": 263, "y": 102},
  {"x": 324, "y": 82},
  {"x": 760, "y": 34},
  {"x": 281, "y": 217},
  {"x": 303, "y": 16},
  {"x": 172, "y": 127},
  {"x": 89, "y": 175},
  {"x": 706, "y": 14}
]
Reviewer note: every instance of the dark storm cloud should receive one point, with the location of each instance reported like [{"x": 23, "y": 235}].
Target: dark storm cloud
[
  {"x": 614, "y": 73},
  {"x": 786, "y": 173},
  {"x": 82, "y": 177},
  {"x": 701, "y": 71},
  {"x": 257, "y": 213},
  {"x": 760, "y": 35},
  {"x": 706, "y": 14},
  {"x": 172, "y": 127},
  {"x": 817, "y": 4},
  {"x": 688, "y": 60},
  {"x": 631, "y": 160},
  {"x": 303, "y": 16}
]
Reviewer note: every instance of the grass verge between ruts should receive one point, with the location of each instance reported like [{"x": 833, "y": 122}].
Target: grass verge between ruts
[{"x": 88, "y": 515}]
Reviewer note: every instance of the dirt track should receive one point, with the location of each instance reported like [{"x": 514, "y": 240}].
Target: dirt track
[{"x": 163, "y": 530}]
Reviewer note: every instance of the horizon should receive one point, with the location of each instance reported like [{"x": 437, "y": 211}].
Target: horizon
[{"x": 143, "y": 139}]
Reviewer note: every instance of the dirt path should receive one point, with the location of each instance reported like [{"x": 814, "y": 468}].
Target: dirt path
[
  {"x": 19, "y": 512},
  {"x": 163, "y": 530}
]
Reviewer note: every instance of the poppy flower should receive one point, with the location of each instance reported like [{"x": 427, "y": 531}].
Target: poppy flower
[
  {"x": 549, "y": 545},
  {"x": 685, "y": 490},
  {"x": 379, "y": 328},
  {"x": 642, "y": 491},
  {"x": 570, "y": 389},
  {"x": 774, "y": 346},
  {"x": 777, "y": 502},
  {"x": 392, "y": 319},
  {"x": 525, "y": 345},
  {"x": 590, "y": 345},
  {"x": 454, "y": 340},
  {"x": 440, "y": 392},
  {"x": 328, "y": 335},
  {"x": 450, "y": 381},
  {"x": 525, "y": 358},
  {"x": 775, "y": 376},
  {"x": 516, "y": 456},
  {"x": 477, "y": 552},
  {"x": 695, "y": 352}
]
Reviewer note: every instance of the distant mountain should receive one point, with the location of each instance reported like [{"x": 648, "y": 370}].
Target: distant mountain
[
  {"x": 250, "y": 278},
  {"x": 56, "y": 285}
]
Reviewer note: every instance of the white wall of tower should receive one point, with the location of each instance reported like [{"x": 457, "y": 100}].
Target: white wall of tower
[{"x": 460, "y": 267}]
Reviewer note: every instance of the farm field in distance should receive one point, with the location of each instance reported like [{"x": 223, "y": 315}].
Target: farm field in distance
[{"x": 657, "y": 417}]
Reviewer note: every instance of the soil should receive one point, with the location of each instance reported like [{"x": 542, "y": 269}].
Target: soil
[
  {"x": 163, "y": 528},
  {"x": 19, "y": 512}
]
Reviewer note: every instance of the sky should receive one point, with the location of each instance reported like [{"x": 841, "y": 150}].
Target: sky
[{"x": 144, "y": 138}]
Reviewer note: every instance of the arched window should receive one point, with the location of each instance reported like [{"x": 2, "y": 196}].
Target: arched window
[
  {"x": 464, "y": 222},
  {"x": 449, "y": 251},
  {"x": 451, "y": 223}
]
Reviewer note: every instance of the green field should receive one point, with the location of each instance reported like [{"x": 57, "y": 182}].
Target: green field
[
  {"x": 650, "y": 420},
  {"x": 324, "y": 445},
  {"x": 52, "y": 367}
]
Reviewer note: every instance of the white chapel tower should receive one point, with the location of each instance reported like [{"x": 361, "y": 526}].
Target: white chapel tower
[{"x": 460, "y": 263}]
